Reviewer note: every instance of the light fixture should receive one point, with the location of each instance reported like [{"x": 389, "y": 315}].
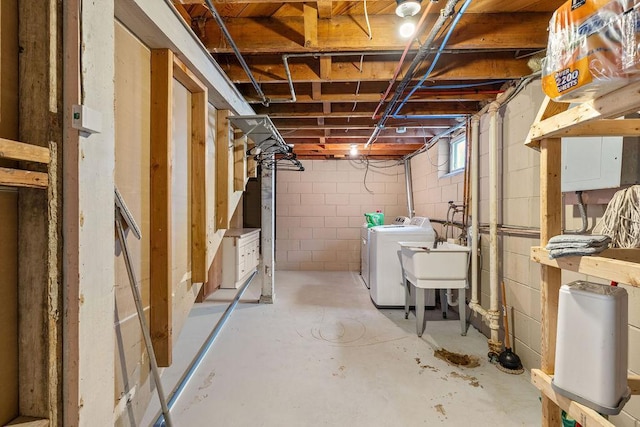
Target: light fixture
[
  {"x": 406, "y": 8},
  {"x": 354, "y": 150},
  {"x": 407, "y": 29}
]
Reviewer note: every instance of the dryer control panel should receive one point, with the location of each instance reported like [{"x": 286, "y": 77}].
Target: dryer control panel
[{"x": 401, "y": 220}]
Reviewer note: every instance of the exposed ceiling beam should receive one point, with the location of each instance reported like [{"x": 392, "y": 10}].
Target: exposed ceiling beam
[
  {"x": 353, "y": 133},
  {"x": 363, "y": 109},
  {"x": 468, "y": 66},
  {"x": 347, "y": 33},
  {"x": 284, "y": 123}
]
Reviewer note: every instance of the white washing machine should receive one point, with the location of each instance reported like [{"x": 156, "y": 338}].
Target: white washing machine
[
  {"x": 399, "y": 221},
  {"x": 385, "y": 285}
]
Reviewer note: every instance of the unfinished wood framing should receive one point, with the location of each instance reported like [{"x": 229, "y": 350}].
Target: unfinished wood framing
[
  {"x": 550, "y": 225},
  {"x": 20, "y": 178},
  {"x": 161, "y": 299},
  {"x": 165, "y": 67},
  {"x": 619, "y": 265},
  {"x": 199, "y": 267},
  {"x": 20, "y": 151},
  {"x": 39, "y": 232},
  {"x": 223, "y": 173},
  {"x": 585, "y": 416},
  {"x": 240, "y": 164}
]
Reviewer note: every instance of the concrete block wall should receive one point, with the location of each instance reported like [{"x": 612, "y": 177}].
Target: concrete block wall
[{"x": 320, "y": 212}]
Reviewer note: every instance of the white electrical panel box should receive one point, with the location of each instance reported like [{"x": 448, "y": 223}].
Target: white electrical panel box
[{"x": 597, "y": 162}]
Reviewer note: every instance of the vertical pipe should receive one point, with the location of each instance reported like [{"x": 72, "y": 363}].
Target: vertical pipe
[
  {"x": 475, "y": 136},
  {"x": 493, "y": 215},
  {"x": 408, "y": 178}
]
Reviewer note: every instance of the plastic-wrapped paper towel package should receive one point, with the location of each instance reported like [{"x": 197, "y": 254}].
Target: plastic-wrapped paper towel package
[{"x": 592, "y": 49}]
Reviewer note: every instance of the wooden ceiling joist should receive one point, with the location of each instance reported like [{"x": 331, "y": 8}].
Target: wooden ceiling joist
[
  {"x": 463, "y": 66},
  {"x": 345, "y": 34}
]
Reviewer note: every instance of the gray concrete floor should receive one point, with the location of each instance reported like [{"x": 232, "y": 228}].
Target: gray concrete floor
[{"x": 323, "y": 355}]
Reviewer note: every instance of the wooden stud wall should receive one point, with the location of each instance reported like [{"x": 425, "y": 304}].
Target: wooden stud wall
[
  {"x": 223, "y": 173},
  {"x": 240, "y": 164},
  {"x": 164, "y": 68},
  {"x": 199, "y": 101},
  {"x": 160, "y": 264}
]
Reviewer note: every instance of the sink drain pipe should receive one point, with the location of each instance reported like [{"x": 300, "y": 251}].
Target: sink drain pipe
[
  {"x": 204, "y": 349},
  {"x": 491, "y": 316}
]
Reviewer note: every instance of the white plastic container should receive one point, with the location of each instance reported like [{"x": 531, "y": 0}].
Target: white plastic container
[{"x": 592, "y": 345}]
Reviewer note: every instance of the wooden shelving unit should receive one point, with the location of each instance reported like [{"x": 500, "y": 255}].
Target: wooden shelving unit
[{"x": 555, "y": 120}]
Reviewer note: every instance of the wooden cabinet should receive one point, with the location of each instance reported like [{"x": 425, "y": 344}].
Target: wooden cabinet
[
  {"x": 240, "y": 256},
  {"x": 555, "y": 120}
]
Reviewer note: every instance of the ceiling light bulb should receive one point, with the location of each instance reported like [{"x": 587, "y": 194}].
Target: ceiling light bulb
[
  {"x": 354, "y": 150},
  {"x": 406, "y": 8},
  {"x": 407, "y": 29}
]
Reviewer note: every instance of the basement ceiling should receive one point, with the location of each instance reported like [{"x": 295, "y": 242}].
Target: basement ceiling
[{"x": 326, "y": 72}]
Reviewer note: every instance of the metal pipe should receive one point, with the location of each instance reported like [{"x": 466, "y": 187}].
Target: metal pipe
[
  {"x": 408, "y": 178},
  {"x": 202, "y": 47},
  {"x": 234, "y": 47},
  {"x": 428, "y": 116},
  {"x": 195, "y": 363},
  {"x": 423, "y": 51},
  {"x": 402, "y": 57},
  {"x": 456, "y": 19},
  {"x": 133, "y": 282}
]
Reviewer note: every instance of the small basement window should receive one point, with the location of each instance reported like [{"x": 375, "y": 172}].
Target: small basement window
[{"x": 457, "y": 151}]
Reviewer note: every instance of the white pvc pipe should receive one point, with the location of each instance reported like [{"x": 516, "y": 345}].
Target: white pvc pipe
[
  {"x": 491, "y": 316},
  {"x": 493, "y": 215},
  {"x": 475, "y": 136}
]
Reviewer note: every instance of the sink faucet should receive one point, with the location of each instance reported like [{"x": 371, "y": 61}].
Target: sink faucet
[{"x": 437, "y": 240}]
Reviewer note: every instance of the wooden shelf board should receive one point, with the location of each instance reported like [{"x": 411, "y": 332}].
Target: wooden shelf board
[
  {"x": 612, "y": 105},
  {"x": 21, "y": 178},
  {"x": 585, "y": 416},
  {"x": 15, "y": 150},
  {"x": 618, "y": 265}
]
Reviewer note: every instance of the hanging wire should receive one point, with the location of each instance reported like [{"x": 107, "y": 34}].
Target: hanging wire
[
  {"x": 357, "y": 87},
  {"x": 366, "y": 17}
]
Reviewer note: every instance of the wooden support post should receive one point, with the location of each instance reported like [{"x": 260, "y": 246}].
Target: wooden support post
[
  {"x": 39, "y": 232},
  {"x": 550, "y": 211},
  {"x": 199, "y": 187},
  {"x": 161, "y": 300},
  {"x": 222, "y": 170}
]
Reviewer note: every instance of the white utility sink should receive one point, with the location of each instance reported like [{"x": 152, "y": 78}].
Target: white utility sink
[
  {"x": 426, "y": 267},
  {"x": 448, "y": 261}
]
